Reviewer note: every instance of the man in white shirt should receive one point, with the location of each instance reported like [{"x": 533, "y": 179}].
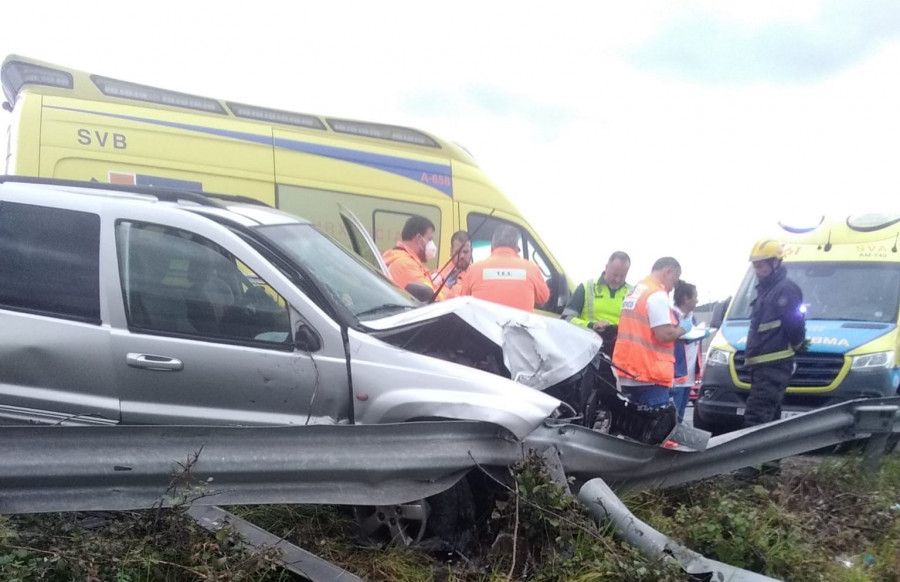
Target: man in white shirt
[{"x": 644, "y": 354}]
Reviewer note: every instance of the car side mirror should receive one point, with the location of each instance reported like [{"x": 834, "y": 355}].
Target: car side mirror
[
  {"x": 421, "y": 291},
  {"x": 306, "y": 339},
  {"x": 718, "y": 314}
]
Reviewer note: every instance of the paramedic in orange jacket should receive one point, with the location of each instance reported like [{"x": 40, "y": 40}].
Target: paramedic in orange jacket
[
  {"x": 406, "y": 261},
  {"x": 505, "y": 277},
  {"x": 644, "y": 353}
]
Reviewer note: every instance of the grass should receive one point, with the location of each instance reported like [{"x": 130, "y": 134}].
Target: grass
[
  {"x": 153, "y": 546},
  {"x": 822, "y": 520}
]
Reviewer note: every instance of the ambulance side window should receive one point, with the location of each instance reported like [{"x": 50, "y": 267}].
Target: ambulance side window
[{"x": 382, "y": 217}]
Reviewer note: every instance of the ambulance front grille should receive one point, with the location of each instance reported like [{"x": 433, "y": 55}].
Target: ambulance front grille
[{"x": 813, "y": 369}]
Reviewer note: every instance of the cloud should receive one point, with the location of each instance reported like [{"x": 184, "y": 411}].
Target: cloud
[
  {"x": 711, "y": 48},
  {"x": 546, "y": 121}
]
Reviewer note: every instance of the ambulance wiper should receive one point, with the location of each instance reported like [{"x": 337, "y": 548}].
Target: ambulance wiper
[{"x": 383, "y": 307}]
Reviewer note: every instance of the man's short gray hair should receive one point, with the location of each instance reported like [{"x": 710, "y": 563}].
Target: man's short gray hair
[
  {"x": 666, "y": 263},
  {"x": 505, "y": 236}
]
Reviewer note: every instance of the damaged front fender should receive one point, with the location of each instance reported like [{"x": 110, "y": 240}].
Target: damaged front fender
[{"x": 531, "y": 349}]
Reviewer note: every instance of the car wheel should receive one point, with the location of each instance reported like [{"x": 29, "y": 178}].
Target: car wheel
[
  {"x": 401, "y": 525},
  {"x": 453, "y": 515},
  {"x": 447, "y": 516},
  {"x": 446, "y": 519}
]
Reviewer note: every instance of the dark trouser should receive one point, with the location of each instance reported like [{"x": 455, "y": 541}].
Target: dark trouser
[
  {"x": 767, "y": 385},
  {"x": 680, "y": 397}
]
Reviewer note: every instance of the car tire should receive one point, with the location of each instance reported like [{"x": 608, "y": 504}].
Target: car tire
[
  {"x": 442, "y": 522},
  {"x": 453, "y": 515},
  {"x": 448, "y": 517}
]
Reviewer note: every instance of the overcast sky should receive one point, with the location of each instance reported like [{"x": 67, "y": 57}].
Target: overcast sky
[{"x": 658, "y": 128}]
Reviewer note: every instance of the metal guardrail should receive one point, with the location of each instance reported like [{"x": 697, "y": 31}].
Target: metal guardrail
[
  {"x": 603, "y": 504},
  {"x": 293, "y": 558},
  {"x": 48, "y": 469},
  {"x": 45, "y": 469},
  {"x": 628, "y": 465}
]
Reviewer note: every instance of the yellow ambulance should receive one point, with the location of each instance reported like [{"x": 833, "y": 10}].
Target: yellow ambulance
[
  {"x": 849, "y": 271},
  {"x": 75, "y": 125}
]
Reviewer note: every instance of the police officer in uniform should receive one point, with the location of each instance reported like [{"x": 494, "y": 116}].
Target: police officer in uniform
[{"x": 597, "y": 304}]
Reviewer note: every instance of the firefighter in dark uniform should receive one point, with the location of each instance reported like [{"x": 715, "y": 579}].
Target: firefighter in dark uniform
[{"x": 777, "y": 332}]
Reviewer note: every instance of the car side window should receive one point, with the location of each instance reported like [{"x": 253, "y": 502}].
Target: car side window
[
  {"x": 178, "y": 282},
  {"x": 50, "y": 261}
]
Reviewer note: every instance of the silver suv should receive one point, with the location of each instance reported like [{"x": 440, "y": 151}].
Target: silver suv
[{"x": 130, "y": 305}]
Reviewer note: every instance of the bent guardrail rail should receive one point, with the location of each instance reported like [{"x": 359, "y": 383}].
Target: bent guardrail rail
[
  {"x": 629, "y": 466},
  {"x": 44, "y": 469},
  {"x": 603, "y": 504},
  {"x": 48, "y": 469},
  {"x": 293, "y": 558}
]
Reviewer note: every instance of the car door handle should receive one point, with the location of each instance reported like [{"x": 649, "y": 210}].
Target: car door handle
[{"x": 151, "y": 362}]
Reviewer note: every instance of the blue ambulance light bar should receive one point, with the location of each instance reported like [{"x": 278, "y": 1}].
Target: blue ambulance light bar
[
  {"x": 276, "y": 116},
  {"x": 17, "y": 74},
  {"x": 381, "y": 131},
  {"x": 126, "y": 90},
  {"x": 801, "y": 225},
  {"x": 873, "y": 221}
]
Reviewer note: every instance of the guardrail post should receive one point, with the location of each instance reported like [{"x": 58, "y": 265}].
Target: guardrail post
[
  {"x": 873, "y": 452},
  {"x": 878, "y": 421}
]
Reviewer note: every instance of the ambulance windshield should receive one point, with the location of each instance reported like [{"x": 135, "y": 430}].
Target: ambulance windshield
[{"x": 836, "y": 291}]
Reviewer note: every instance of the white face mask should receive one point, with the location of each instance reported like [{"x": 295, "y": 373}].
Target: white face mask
[{"x": 430, "y": 250}]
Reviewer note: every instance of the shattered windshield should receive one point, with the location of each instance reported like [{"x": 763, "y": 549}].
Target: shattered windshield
[
  {"x": 836, "y": 290},
  {"x": 345, "y": 278}
]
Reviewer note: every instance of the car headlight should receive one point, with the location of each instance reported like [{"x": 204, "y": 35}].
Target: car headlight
[
  {"x": 717, "y": 357},
  {"x": 877, "y": 361}
]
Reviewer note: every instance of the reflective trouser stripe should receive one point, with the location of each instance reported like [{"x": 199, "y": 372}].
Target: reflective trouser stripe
[
  {"x": 772, "y": 357},
  {"x": 774, "y": 324}
]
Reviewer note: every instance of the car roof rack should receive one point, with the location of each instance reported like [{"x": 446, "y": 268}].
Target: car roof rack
[{"x": 158, "y": 192}]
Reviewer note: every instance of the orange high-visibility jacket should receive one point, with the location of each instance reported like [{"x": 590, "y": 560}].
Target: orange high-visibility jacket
[
  {"x": 506, "y": 278},
  {"x": 405, "y": 267},
  {"x": 638, "y": 353}
]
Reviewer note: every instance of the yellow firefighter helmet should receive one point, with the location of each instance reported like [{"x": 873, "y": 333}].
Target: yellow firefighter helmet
[{"x": 766, "y": 249}]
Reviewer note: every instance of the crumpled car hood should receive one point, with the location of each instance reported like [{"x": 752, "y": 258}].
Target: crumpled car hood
[{"x": 537, "y": 350}]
